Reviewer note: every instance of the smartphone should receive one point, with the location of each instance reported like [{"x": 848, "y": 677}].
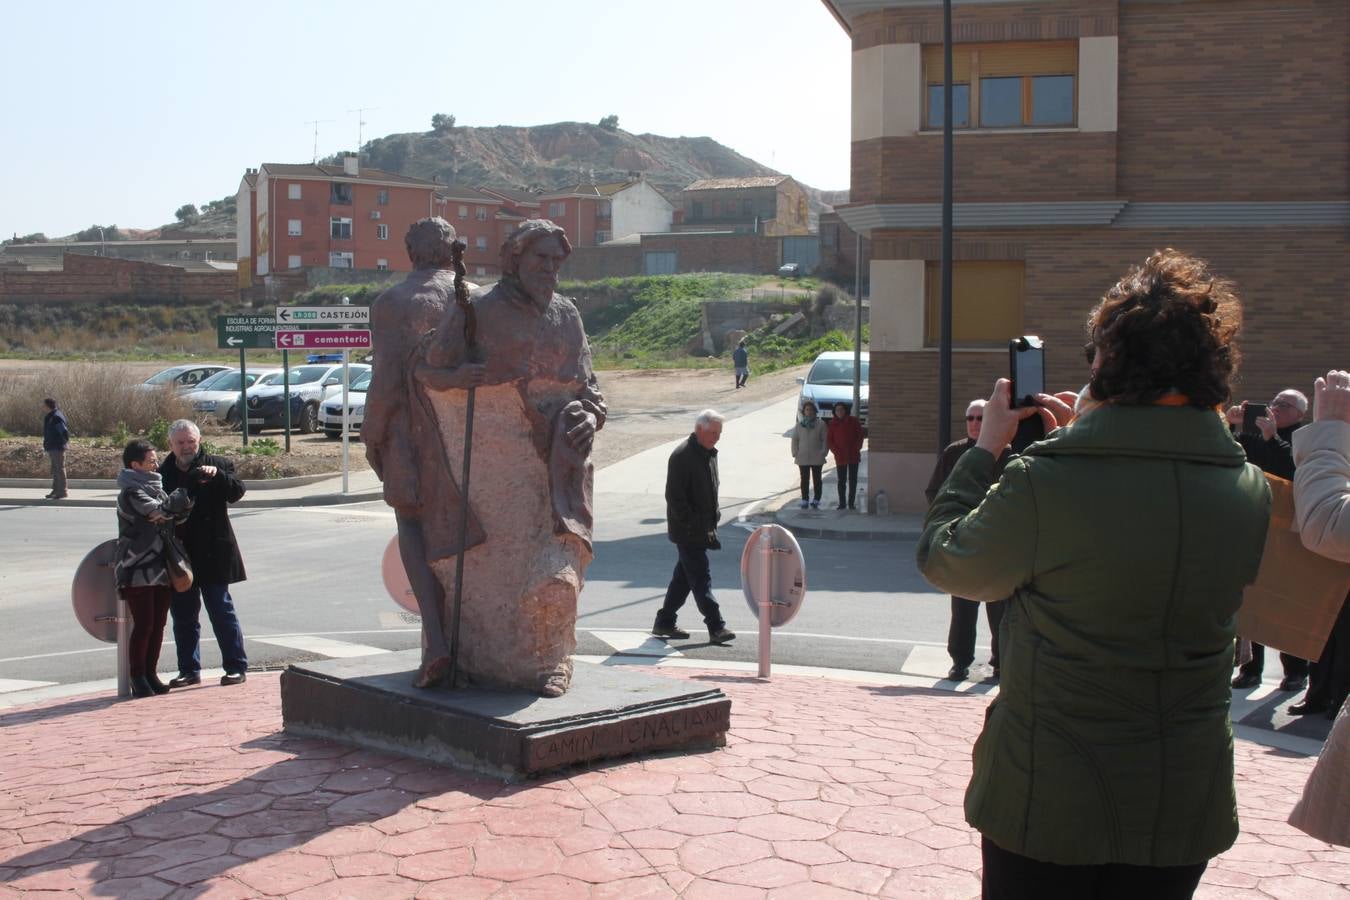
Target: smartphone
[
  {"x": 1026, "y": 367},
  {"x": 1250, "y": 413}
]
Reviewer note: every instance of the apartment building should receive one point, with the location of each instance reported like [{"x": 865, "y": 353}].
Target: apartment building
[{"x": 595, "y": 214}]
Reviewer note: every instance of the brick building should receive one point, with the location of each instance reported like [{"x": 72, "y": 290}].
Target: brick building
[
  {"x": 97, "y": 279},
  {"x": 1087, "y": 134},
  {"x": 595, "y": 214},
  {"x": 482, "y": 220},
  {"x": 761, "y": 204}
]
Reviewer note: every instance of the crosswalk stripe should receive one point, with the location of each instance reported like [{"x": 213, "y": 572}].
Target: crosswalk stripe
[
  {"x": 309, "y": 643},
  {"x": 631, "y": 644}
]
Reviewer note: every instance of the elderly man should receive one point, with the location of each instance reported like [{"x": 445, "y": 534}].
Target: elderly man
[
  {"x": 691, "y": 524},
  {"x": 213, "y": 552},
  {"x": 966, "y": 613},
  {"x": 1271, "y": 449}
]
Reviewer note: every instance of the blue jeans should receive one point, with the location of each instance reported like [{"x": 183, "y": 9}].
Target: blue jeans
[
  {"x": 187, "y": 630},
  {"x": 691, "y": 574}
]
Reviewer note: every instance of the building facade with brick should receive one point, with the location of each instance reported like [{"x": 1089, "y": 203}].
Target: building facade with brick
[
  {"x": 1089, "y": 133},
  {"x": 595, "y": 214},
  {"x": 761, "y": 204}
]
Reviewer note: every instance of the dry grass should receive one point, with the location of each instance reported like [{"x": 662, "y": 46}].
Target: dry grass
[{"x": 98, "y": 400}]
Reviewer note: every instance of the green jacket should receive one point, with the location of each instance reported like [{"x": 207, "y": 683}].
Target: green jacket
[{"x": 1125, "y": 541}]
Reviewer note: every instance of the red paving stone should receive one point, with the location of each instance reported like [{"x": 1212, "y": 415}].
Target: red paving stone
[{"x": 850, "y": 792}]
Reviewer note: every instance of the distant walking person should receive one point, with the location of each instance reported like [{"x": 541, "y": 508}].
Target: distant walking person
[
  {"x": 809, "y": 449},
  {"x": 740, "y": 358},
  {"x": 55, "y": 440},
  {"x": 691, "y": 524},
  {"x": 213, "y": 552},
  {"x": 144, "y": 509},
  {"x": 846, "y": 439}
]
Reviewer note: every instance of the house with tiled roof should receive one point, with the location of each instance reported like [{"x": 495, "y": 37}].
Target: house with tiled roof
[
  {"x": 758, "y": 204},
  {"x": 594, "y": 214}
]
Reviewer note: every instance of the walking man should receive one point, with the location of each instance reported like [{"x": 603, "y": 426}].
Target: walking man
[
  {"x": 55, "y": 439},
  {"x": 691, "y": 523},
  {"x": 740, "y": 358},
  {"x": 966, "y": 613},
  {"x": 213, "y": 552}
]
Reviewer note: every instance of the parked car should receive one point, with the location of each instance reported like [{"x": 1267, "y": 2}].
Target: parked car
[
  {"x": 267, "y": 405},
  {"x": 790, "y": 270},
  {"x": 181, "y": 378},
  {"x": 330, "y": 408},
  {"x": 830, "y": 381},
  {"x": 217, "y": 398}
]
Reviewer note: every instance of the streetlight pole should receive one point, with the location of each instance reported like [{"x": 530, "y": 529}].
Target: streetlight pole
[
  {"x": 945, "y": 332},
  {"x": 102, "y": 241}
]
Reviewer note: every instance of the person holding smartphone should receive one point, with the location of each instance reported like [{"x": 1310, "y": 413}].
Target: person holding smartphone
[{"x": 1125, "y": 540}]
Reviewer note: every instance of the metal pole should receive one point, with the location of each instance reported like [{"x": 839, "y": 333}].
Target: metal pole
[
  {"x": 857, "y": 330},
  {"x": 345, "y": 417},
  {"x": 945, "y": 332},
  {"x": 463, "y": 538},
  {"x": 766, "y": 603},
  {"x": 243, "y": 397},
  {"x": 123, "y": 648},
  {"x": 286, "y": 395}
]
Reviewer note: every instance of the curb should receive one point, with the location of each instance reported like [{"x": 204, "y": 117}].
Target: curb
[
  {"x": 110, "y": 484},
  {"x": 259, "y": 503}
]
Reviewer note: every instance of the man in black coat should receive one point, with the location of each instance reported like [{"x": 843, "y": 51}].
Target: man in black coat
[
  {"x": 55, "y": 439},
  {"x": 691, "y": 524},
  {"x": 213, "y": 552}
]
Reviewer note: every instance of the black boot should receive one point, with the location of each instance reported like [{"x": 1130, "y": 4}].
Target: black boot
[
  {"x": 140, "y": 687},
  {"x": 156, "y": 685}
]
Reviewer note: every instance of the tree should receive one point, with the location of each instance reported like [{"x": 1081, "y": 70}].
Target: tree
[
  {"x": 610, "y": 123},
  {"x": 441, "y": 123},
  {"x": 99, "y": 233},
  {"x": 187, "y": 213},
  {"x": 36, "y": 237}
]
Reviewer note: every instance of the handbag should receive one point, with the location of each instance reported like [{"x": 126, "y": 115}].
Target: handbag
[{"x": 176, "y": 560}]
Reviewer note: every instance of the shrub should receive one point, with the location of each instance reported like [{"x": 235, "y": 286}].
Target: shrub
[{"x": 99, "y": 400}]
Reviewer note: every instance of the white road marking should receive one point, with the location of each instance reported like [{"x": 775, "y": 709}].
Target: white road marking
[
  {"x": 636, "y": 643},
  {"x": 310, "y": 643},
  {"x": 7, "y": 685}
]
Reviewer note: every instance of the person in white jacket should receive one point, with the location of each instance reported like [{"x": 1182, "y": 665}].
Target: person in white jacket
[
  {"x": 810, "y": 446},
  {"x": 1322, "y": 514}
]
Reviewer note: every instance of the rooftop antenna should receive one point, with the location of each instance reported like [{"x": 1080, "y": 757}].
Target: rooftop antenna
[
  {"x": 315, "y": 123},
  {"x": 360, "y": 123}
]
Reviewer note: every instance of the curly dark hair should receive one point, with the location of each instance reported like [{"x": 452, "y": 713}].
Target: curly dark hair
[{"x": 1169, "y": 324}]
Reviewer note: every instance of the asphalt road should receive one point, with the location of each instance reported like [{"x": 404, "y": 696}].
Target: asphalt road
[{"x": 314, "y": 590}]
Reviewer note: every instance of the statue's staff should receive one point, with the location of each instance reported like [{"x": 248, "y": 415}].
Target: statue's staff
[{"x": 470, "y": 355}]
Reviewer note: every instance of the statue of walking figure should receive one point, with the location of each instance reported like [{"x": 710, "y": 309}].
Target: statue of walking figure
[{"x": 538, "y": 407}]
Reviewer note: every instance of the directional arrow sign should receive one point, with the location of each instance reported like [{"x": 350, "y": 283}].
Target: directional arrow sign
[
  {"x": 324, "y": 339},
  {"x": 245, "y": 332},
  {"x": 323, "y": 315}
]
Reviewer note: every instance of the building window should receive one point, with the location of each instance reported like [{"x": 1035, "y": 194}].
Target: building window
[
  {"x": 382, "y": 197},
  {"x": 603, "y": 210},
  {"x": 698, "y": 210},
  {"x": 341, "y": 192},
  {"x": 659, "y": 262},
  {"x": 480, "y": 214},
  {"x": 463, "y": 212},
  {"x": 293, "y": 261},
  {"x": 480, "y": 243},
  {"x": 747, "y": 208},
  {"x": 382, "y": 264},
  {"x": 479, "y": 270},
  {"x": 1019, "y": 85},
  {"x": 342, "y": 260},
  {"x": 293, "y": 191},
  {"x": 293, "y": 227},
  {"x": 601, "y": 237},
  {"x": 341, "y": 229},
  {"x": 382, "y": 232},
  {"x": 986, "y": 302},
  {"x": 557, "y": 209}
]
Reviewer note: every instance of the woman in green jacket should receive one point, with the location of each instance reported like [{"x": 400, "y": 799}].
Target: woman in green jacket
[{"x": 1105, "y": 767}]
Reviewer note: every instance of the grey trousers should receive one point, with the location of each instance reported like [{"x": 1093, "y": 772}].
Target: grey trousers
[{"x": 58, "y": 472}]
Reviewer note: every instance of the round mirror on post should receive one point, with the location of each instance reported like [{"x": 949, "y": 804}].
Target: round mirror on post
[{"x": 94, "y": 593}]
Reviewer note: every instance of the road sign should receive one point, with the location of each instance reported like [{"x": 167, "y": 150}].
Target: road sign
[
  {"x": 773, "y": 576},
  {"x": 324, "y": 339},
  {"x": 245, "y": 332},
  {"x": 323, "y": 315}
]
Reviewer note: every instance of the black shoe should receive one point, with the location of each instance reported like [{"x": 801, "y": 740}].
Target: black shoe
[
  {"x": 958, "y": 673},
  {"x": 1307, "y": 709},
  {"x": 185, "y": 680},
  {"x": 841, "y": 506},
  {"x": 1293, "y": 683},
  {"x": 233, "y": 678},
  {"x": 140, "y": 687},
  {"x": 721, "y": 635},
  {"x": 670, "y": 631},
  {"x": 1247, "y": 680},
  {"x": 156, "y": 685}
]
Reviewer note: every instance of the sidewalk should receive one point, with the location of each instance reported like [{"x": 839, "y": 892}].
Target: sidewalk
[
  {"x": 826, "y": 789},
  {"x": 307, "y": 490}
]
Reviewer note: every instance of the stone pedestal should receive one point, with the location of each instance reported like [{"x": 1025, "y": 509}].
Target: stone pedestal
[{"x": 608, "y": 712}]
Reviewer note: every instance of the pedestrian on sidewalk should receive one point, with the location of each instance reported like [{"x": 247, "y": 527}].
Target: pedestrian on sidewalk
[
  {"x": 213, "y": 552},
  {"x": 691, "y": 524},
  {"x": 144, "y": 510},
  {"x": 740, "y": 358},
  {"x": 1125, "y": 540},
  {"x": 55, "y": 440},
  {"x": 810, "y": 445},
  {"x": 966, "y": 613},
  {"x": 1322, "y": 513},
  {"x": 845, "y": 439}
]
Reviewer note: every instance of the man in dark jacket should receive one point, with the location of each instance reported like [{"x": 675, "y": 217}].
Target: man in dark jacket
[
  {"x": 55, "y": 439},
  {"x": 691, "y": 523},
  {"x": 213, "y": 552},
  {"x": 740, "y": 358},
  {"x": 966, "y": 613},
  {"x": 1271, "y": 449}
]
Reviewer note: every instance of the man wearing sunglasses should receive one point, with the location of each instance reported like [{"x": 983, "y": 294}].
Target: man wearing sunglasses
[
  {"x": 966, "y": 613},
  {"x": 1272, "y": 450}
]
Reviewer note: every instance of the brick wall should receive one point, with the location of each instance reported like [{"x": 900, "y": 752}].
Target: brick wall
[
  {"x": 92, "y": 279},
  {"x": 1054, "y": 20},
  {"x": 605, "y": 261},
  {"x": 749, "y": 253}
]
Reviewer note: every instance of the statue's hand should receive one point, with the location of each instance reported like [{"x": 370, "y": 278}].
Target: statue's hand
[
  {"x": 461, "y": 377},
  {"x": 580, "y": 433}
]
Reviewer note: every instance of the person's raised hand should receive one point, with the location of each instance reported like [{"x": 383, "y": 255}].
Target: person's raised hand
[
  {"x": 1331, "y": 397},
  {"x": 1267, "y": 426},
  {"x": 1000, "y": 420},
  {"x": 1234, "y": 415},
  {"x": 1055, "y": 410}
]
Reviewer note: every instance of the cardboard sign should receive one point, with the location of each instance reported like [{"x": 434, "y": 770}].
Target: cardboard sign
[{"x": 1297, "y": 594}]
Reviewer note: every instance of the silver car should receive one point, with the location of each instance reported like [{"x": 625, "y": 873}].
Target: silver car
[
  {"x": 830, "y": 381},
  {"x": 330, "y": 408},
  {"x": 217, "y": 398},
  {"x": 182, "y": 378}
]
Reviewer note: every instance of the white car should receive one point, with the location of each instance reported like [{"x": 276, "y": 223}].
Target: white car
[
  {"x": 181, "y": 378},
  {"x": 217, "y": 398},
  {"x": 330, "y": 408},
  {"x": 830, "y": 381},
  {"x": 267, "y": 407}
]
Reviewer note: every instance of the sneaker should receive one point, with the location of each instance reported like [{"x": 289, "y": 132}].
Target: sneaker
[
  {"x": 815, "y": 504},
  {"x": 670, "y": 631},
  {"x": 803, "y": 504},
  {"x": 721, "y": 635}
]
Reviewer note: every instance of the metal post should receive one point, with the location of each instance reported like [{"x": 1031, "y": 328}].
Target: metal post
[
  {"x": 243, "y": 397},
  {"x": 123, "y": 648},
  {"x": 346, "y": 417},
  {"x": 286, "y": 395},
  {"x": 857, "y": 331},
  {"x": 766, "y": 605},
  {"x": 945, "y": 332}
]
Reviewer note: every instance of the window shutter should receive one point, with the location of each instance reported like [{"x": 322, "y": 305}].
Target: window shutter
[
  {"x": 1043, "y": 58},
  {"x": 932, "y": 64}
]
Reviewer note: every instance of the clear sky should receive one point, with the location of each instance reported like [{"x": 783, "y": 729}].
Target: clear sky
[{"x": 119, "y": 113}]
